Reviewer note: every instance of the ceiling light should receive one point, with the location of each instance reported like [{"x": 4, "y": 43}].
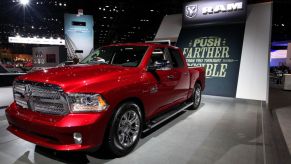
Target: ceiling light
[{"x": 24, "y": 2}]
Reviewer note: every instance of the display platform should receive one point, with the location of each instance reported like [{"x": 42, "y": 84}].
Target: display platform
[
  {"x": 287, "y": 82},
  {"x": 280, "y": 105},
  {"x": 222, "y": 130}
]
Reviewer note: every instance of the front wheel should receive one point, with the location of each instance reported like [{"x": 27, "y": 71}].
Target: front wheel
[
  {"x": 196, "y": 96},
  {"x": 126, "y": 129}
]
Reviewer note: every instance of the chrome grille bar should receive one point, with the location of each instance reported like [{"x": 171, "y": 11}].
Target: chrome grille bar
[
  {"x": 50, "y": 108},
  {"x": 40, "y": 97},
  {"x": 19, "y": 88},
  {"x": 44, "y": 92}
]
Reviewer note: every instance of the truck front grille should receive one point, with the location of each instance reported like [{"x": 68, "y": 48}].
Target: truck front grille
[{"x": 39, "y": 97}]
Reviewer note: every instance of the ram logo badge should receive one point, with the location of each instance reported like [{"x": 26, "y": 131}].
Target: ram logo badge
[
  {"x": 27, "y": 92},
  {"x": 154, "y": 89},
  {"x": 191, "y": 11}
]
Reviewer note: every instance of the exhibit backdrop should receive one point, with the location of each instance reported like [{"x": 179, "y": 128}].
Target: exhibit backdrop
[
  {"x": 48, "y": 56},
  {"x": 253, "y": 80},
  {"x": 212, "y": 37},
  {"x": 45, "y": 56},
  {"x": 218, "y": 50}
]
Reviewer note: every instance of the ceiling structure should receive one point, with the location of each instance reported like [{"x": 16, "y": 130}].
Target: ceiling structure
[
  {"x": 114, "y": 21},
  {"x": 281, "y": 29}
]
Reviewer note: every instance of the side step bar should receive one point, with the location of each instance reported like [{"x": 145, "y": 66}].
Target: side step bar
[{"x": 157, "y": 121}]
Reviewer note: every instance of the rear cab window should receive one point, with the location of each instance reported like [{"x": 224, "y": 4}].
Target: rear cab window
[{"x": 176, "y": 58}]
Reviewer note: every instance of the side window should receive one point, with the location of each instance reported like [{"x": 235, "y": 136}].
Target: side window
[
  {"x": 161, "y": 59},
  {"x": 176, "y": 58}
]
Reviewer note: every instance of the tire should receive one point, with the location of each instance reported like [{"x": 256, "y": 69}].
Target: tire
[
  {"x": 125, "y": 131},
  {"x": 196, "y": 96}
]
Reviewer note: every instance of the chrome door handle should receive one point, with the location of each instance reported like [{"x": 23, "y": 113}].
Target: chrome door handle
[
  {"x": 171, "y": 77},
  {"x": 186, "y": 73}
]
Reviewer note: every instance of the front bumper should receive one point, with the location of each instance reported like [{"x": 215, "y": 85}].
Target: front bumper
[{"x": 56, "y": 132}]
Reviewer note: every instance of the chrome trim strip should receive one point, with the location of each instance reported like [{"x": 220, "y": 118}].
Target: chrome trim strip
[{"x": 3, "y": 74}]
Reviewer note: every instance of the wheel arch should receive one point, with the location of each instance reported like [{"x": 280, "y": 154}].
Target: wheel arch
[
  {"x": 133, "y": 99},
  {"x": 198, "y": 82},
  {"x": 108, "y": 140}
]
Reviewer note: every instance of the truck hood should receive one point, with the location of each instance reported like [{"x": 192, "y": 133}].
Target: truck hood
[{"x": 70, "y": 78}]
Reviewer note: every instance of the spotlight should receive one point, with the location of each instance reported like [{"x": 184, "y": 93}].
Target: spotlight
[{"x": 24, "y": 2}]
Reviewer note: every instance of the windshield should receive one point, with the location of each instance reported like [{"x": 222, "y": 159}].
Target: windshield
[{"x": 129, "y": 56}]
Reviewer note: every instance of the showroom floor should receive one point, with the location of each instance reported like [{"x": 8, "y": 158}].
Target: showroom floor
[
  {"x": 280, "y": 104},
  {"x": 6, "y": 96},
  {"x": 222, "y": 131}
]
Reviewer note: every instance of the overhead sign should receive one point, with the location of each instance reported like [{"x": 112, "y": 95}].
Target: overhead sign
[
  {"x": 214, "y": 12},
  {"x": 27, "y": 40},
  {"x": 79, "y": 35}
]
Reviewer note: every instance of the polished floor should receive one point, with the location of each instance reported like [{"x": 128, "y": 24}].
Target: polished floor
[
  {"x": 6, "y": 96},
  {"x": 280, "y": 105},
  {"x": 221, "y": 131}
]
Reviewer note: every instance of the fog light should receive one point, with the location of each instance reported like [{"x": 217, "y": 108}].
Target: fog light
[{"x": 77, "y": 138}]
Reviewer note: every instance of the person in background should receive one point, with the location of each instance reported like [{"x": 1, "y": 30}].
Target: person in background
[
  {"x": 280, "y": 71},
  {"x": 283, "y": 68},
  {"x": 76, "y": 60}
]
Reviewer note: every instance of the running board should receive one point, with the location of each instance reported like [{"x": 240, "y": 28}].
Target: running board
[{"x": 157, "y": 121}]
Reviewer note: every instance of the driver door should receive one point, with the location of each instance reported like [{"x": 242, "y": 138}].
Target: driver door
[{"x": 166, "y": 81}]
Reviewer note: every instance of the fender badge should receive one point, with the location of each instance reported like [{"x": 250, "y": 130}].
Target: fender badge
[{"x": 154, "y": 89}]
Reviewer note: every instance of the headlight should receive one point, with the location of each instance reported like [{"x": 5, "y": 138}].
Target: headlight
[{"x": 87, "y": 103}]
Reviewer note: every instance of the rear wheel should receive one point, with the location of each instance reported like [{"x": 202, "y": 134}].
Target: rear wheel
[
  {"x": 196, "y": 96},
  {"x": 126, "y": 129}
]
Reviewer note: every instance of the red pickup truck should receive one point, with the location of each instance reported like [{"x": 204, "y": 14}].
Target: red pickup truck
[{"x": 109, "y": 98}]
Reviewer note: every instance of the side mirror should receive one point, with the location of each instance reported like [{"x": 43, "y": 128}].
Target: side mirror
[{"x": 151, "y": 68}]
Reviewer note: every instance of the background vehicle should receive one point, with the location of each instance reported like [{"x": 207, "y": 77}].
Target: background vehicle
[{"x": 109, "y": 98}]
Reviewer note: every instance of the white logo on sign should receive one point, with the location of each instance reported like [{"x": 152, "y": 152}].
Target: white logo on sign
[
  {"x": 222, "y": 8},
  {"x": 191, "y": 11}
]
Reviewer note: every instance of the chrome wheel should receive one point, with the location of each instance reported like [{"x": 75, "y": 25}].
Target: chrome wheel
[
  {"x": 124, "y": 129},
  {"x": 197, "y": 96},
  {"x": 128, "y": 128}
]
